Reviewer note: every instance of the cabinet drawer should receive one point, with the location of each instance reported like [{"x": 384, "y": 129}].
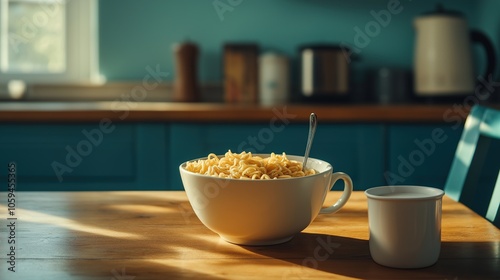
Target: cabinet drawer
[{"x": 68, "y": 153}]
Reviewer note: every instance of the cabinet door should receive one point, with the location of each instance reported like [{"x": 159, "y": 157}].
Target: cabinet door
[
  {"x": 420, "y": 154},
  {"x": 85, "y": 156},
  {"x": 353, "y": 149}
]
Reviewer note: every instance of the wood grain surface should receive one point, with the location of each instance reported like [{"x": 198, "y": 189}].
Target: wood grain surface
[{"x": 156, "y": 235}]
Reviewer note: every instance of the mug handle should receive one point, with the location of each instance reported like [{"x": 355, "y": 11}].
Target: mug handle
[{"x": 348, "y": 187}]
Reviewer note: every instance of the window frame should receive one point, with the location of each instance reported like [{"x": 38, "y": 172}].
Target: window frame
[{"x": 81, "y": 45}]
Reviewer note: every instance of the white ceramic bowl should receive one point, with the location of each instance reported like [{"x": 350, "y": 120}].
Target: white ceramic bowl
[{"x": 262, "y": 212}]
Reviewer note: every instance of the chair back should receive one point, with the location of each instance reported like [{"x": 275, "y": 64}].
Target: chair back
[{"x": 474, "y": 177}]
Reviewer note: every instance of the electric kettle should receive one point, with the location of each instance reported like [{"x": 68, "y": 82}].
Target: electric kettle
[{"x": 443, "y": 61}]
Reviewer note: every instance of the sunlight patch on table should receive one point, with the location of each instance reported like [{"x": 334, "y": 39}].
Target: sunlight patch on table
[{"x": 25, "y": 215}]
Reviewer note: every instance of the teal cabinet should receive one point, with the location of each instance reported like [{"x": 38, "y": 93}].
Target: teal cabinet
[
  {"x": 354, "y": 149},
  {"x": 420, "y": 154},
  {"x": 146, "y": 156},
  {"x": 94, "y": 156}
]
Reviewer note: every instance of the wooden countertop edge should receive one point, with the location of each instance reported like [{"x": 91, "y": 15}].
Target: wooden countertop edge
[{"x": 214, "y": 112}]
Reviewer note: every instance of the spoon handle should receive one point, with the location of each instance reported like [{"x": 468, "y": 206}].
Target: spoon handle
[{"x": 312, "y": 130}]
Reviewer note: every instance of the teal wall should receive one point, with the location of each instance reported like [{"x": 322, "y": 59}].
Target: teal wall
[{"x": 134, "y": 34}]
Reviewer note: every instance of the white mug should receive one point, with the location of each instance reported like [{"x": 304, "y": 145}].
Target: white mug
[{"x": 405, "y": 225}]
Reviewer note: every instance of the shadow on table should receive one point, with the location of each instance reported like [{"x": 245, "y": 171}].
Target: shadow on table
[{"x": 351, "y": 257}]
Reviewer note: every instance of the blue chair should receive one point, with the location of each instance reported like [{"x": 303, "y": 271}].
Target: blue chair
[{"x": 474, "y": 177}]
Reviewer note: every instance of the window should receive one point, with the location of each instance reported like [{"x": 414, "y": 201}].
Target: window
[{"x": 49, "y": 41}]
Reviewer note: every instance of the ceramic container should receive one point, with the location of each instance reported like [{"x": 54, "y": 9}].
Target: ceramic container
[
  {"x": 405, "y": 225},
  {"x": 263, "y": 212}
]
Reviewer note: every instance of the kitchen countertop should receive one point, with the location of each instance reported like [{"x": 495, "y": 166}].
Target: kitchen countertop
[{"x": 36, "y": 112}]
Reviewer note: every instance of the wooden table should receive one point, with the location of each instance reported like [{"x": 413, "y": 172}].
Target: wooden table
[{"x": 156, "y": 235}]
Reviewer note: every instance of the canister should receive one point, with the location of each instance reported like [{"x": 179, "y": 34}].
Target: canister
[{"x": 274, "y": 79}]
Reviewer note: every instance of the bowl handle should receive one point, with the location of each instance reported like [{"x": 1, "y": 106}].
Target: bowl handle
[{"x": 348, "y": 187}]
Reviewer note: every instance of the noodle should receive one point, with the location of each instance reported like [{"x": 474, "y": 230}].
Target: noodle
[{"x": 247, "y": 166}]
